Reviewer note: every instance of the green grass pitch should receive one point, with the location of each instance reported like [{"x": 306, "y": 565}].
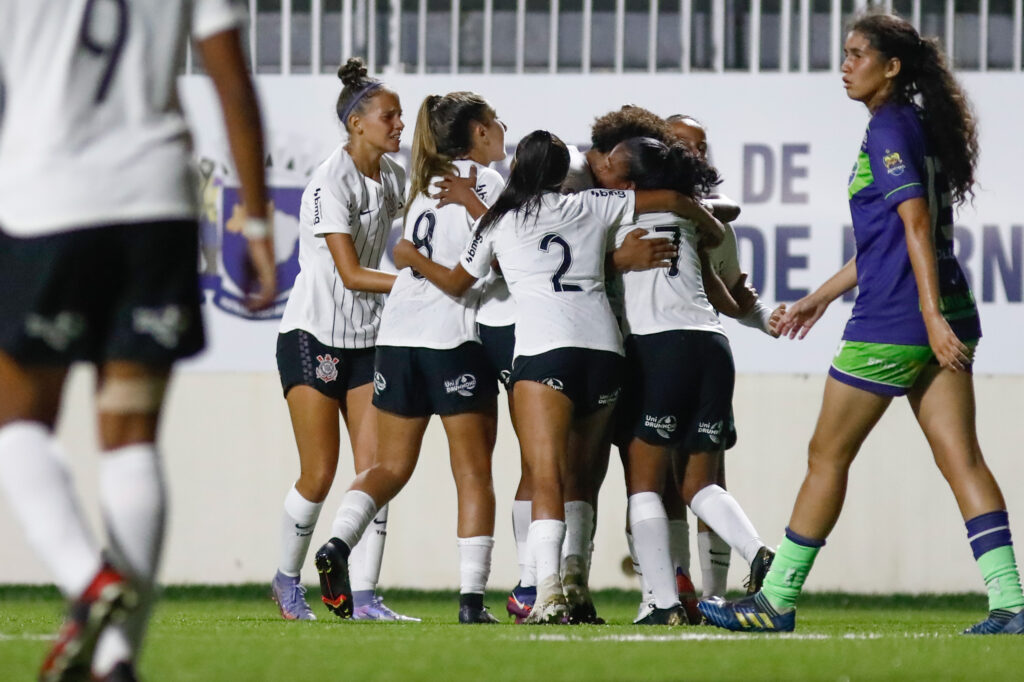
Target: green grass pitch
[{"x": 236, "y": 634}]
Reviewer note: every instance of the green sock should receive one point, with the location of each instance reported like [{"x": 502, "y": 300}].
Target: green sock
[
  {"x": 999, "y": 569},
  {"x": 789, "y": 570}
]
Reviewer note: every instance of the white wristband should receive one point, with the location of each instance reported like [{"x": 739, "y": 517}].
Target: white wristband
[{"x": 256, "y": 228}]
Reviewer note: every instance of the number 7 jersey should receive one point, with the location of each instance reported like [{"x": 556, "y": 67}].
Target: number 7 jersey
[
  {"x": 91, "y": 132},
  {"x": 553, "y": 262}
]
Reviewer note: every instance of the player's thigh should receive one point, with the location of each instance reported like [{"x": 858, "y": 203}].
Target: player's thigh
[
  {"x": 847, "y": 416},
  {"x": 29, "y": 393},
  {"x": 317, "y": 430},
  {"x": 943, "y": 403}
]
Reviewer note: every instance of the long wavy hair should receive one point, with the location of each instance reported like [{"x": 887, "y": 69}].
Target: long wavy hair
[
  {"x": 947, "y": 115},
  {"x": 444, "y": 127},
  {"x": 540, "y": 165}
]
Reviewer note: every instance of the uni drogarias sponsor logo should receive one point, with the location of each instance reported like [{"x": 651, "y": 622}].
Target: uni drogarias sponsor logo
[
  {"x": 713, "y": 430},
  {"x": 463, "y": 385},
  {"x": 379, "y": 383},
  {"x": 664, "y": 426},
  {"x": 608, "y": 398},
  {"x": 327, "y": 370}
]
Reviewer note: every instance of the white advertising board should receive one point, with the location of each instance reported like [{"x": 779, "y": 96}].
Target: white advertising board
[{"x": 783, "y": 143}]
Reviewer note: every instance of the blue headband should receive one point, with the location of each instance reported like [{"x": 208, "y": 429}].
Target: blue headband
[{"x": 354, "y": 102}]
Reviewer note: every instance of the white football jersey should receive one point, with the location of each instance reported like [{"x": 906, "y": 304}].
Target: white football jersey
[
  {"x": 666, "y": 299},
  {"x": 725, "y": 262},
  {"x": 91, "y": 130},
  {"x": 339, "y": 199},
  {"x": 553, "y": 262},
  {"x": 497, "y": 309},
  {"x": 417, "y": 313}
]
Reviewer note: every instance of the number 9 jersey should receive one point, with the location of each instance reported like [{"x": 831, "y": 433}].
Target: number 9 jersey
[
  {"x": 553, "y": 262},
  {"x": 91, "y": 132}
]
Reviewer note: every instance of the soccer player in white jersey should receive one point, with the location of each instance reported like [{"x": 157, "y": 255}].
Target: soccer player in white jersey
[
  {"x": 429, "y": 358},
  {"x": 551, "y": 250},
  {"x": 98, "y": 252},
  {"x": 679, "y": 390},
  {"x": 329, "y": 329},
  {"x": 738, "y": 300}
]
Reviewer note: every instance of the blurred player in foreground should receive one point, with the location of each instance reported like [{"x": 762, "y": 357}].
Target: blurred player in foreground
[{"x": 98, "y": 254}]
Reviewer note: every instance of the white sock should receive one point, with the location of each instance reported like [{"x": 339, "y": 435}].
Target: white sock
[
  {"x": 649, "y": 524},
  {"x": 474, "y": 563},
  {"x": 134, "y": 502},
  {"x": 365, "y": 560},
  {"x": 522, "y": 512},
  {"x": 679, "y": 543},
  {"x": 545, "y": 540},
  {"x": 354, "y": 515},
  {"x": 645, "y": 588},
  {"x": 720, "y": 510},
  {"x": 297, "y": 523},
  {"x": 713, "y": 553},
  {"x": 579, "y": 536},
  {"x": 38, "y": 487}
]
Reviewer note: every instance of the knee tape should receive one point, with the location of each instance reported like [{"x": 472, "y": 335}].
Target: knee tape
[{"x": 136, "y": 395}]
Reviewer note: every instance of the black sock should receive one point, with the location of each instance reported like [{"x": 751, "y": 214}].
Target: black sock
[{"x": 470, "y": 599}]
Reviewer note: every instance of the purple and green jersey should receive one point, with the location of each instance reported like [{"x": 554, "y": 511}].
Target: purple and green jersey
[{"x": 895, "y": 165}]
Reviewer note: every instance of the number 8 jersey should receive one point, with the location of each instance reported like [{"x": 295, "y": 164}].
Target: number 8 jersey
[
  {"x": 91, "y": 132},
  {"x": 553, "y": 262},
  {"x": 418, "y": 314}
]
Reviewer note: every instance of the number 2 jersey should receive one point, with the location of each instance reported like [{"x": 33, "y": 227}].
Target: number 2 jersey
[
  {"x": 553, "y": 262},
  {"x": 417, "y": 313},
  {"x": 91, "y": 132},
  {"x": 894, "y": 165}
]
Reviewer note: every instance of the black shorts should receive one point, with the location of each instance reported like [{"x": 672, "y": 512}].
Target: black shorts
[
  {"x": 679, "y": 390},
  {"x": 304, "y": 361},
  {"x": 419, "y": 382},
  {"x": 498, "y": 343},
  {"x": 119, "y": 292},
  {"x": 589, "y": 378}
]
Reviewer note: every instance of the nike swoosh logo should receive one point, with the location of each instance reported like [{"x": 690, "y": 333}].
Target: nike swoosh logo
[
  {"x": 306, "y": 527},
  {"x": 711, "y": 551},
  {"x": 366, "y": 212},
  {"x": 380, "y": 523}
]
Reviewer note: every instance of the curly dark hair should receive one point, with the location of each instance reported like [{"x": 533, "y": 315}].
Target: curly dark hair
[
  {"x": 655, "y": 165},
  {"x": 948, "y": 119},
  {"x": 629, "y": 121}
]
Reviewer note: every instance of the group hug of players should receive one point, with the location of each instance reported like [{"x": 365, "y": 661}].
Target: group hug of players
[{"x": 533, "y": 284}]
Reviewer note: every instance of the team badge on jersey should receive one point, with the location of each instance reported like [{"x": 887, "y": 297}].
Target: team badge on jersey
[
  {"x": 464, "y": 385},
  {"x": 664, "y": 426},
  {"x": 893, "y": 163},
  {"x": 327, "y": 370},
  {"x": 504, "y": 375},
  {"x": 379, "y": 383}
]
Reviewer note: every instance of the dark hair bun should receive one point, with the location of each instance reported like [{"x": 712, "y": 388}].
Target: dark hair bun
[{"x": 353, "y": 72}]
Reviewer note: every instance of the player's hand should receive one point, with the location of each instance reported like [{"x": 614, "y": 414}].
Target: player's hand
[
  {"x": 776, "y": 320},
  {"x": 453, "y": 189},
  {"x": 799, "y": 319},
  {"x": 637, "y": 253},
  {"x": 261, "y": 287},
  {"x": 950, "y": 351},
  {"x": 744, "y": 294},
  {"x": 401, "y": 254}
]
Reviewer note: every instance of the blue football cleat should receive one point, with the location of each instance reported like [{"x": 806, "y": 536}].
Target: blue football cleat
[
  {"x": 378, "y": 610},
  {"x": 749, "y": 614},
  {"x": 290, "y": 596},
  {"x": 999, "y": 622}
]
